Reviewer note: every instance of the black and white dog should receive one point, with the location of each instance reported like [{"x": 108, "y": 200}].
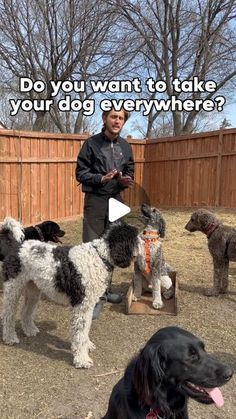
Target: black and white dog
[
  {"x": 69, "y": 275},
  {"x": 171, "y": 368}
]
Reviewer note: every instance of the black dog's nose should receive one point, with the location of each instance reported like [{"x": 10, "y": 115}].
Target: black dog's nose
[{"x": 228, "y": 374}]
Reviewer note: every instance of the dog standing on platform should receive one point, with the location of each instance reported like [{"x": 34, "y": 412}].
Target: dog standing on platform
[{"x": 150, "y": 266}]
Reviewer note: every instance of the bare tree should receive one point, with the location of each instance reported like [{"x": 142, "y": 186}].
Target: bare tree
[
  {"x": 57, "y": 40},
  {"x": 182, "y": 39}
]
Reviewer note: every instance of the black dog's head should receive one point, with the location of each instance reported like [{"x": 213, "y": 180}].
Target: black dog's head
[
  {"x": 201, "y": 220},
  {"x": 123, "y": 243},
  {"x": 49, "y": 230},
  {"x": 153, "y": 217},
  {"x": 175, "y": 365}
]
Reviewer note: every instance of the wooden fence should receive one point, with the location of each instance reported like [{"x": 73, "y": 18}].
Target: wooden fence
[
  {"x": 192, "y": 170},
  {"x": 37, "y": 173}
]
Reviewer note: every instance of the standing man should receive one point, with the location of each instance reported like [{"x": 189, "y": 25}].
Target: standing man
[{"x": 105, "y": 167}]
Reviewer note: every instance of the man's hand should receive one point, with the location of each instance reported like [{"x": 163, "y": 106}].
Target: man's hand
[
  {"x": 125, "y": 180},
  {"x": 106, "y": 178}
]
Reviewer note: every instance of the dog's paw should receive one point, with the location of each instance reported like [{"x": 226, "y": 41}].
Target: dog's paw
[
  {"x": 211, "y": 292},
  {"x": 166, "y": 282},
  {"x": 83, "y": 363},
  {"x": 30, "y": 331},
  {"x": 91, "y": 346},
  {"x": 11, "y": 340},
  {"x": 157, "y": 304},
  {"x": 134, "y": 298}
]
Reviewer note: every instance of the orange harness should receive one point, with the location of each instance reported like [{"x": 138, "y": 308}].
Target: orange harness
[{"x": 147, "y": 242}]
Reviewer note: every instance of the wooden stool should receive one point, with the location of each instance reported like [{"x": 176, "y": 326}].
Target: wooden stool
[{"x": 144, "y": 305}]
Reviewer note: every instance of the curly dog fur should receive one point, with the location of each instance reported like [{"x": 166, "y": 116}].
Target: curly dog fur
[
  {"x": 69, "y": 275},
  {"x": 221, "y": 244},
  {"x": 158, "y": 271},
  {"x": 45, "y": 231},
  {"x": 171, "y": 368}
]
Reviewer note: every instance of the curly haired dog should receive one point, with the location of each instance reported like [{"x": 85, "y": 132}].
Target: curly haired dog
[
  {"x": 45, "y": 231},
  {"x": 150, "y": 265},
  {"x": 171, "y": 368},
  {"x": 221, "y": 244},
  {"x": 69, "y": 275}
]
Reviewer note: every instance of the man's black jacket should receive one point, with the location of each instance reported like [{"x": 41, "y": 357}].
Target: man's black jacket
[{"x": 97, "y": 157}]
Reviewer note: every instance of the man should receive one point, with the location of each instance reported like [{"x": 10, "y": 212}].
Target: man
[{"x": 105, "y": 167}]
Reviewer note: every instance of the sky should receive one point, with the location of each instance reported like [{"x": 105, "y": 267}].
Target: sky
[{"x": 230, "y": 112}]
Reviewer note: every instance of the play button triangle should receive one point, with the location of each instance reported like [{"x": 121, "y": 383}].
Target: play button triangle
[{"x": 116, "y": 209}]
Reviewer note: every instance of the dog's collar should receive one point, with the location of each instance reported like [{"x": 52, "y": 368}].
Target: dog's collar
[
  {"x": 39, "y": 233},
  {"x": 106, "y": 262},
  {"x": 210, "y": 229},
  {"x": 154, "y": 234}
]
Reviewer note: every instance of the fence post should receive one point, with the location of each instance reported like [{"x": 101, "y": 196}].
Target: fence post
[{"x": 218, "y": 168}]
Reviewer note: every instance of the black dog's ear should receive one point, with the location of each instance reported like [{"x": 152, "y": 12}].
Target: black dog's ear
[
  {"x": 51, "y": 231},
  {"x": 122, "y": 240},
  {"x": 45, "y": 229},
  {"x": 162, "y": 229},
  {"x": 149, "y": 372}
]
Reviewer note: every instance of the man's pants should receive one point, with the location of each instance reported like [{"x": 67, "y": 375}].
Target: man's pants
[{"x": 95, "y": 219}]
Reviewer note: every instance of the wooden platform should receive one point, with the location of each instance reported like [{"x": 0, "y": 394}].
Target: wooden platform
[
  {"x": 232, "y": 269},
  {"x": 144, "y": 305}
]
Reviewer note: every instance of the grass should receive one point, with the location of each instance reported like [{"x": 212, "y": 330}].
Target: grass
[{"x": 37, "y": 377}]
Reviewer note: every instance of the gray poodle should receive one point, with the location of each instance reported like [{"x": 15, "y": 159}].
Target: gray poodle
[
  {"x": 221, "y": 244},
  {"x": 150, "y": 267}
]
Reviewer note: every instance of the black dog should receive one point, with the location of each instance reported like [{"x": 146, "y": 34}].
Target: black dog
[
  {"x": 48, "y": 231},
  {"x": 172, "y": 367},
  {"x": 45, "y": 232}
]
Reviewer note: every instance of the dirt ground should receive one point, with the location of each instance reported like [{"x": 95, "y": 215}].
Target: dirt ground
[{"x": 37, "y": 376}]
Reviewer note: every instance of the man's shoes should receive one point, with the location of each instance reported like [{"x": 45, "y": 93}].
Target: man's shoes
[
  {"x": 98, "y": 308},
  {"x": 114, "y": 298},
  {"x": 110, "y": 297}
]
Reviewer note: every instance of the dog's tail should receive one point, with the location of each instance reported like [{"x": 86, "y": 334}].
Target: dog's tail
[{"x": 12, "y": 230}]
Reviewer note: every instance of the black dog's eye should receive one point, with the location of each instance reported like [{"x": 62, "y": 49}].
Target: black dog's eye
[
  {"x": 202, "y": 346},
  {"x": 193, "y": 354}
]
